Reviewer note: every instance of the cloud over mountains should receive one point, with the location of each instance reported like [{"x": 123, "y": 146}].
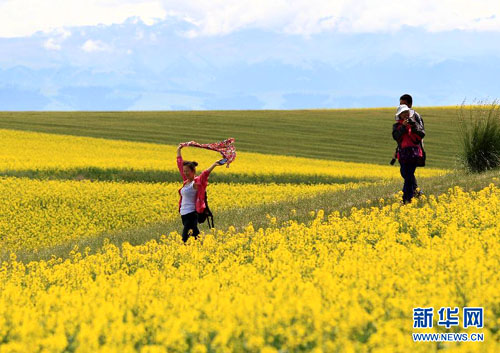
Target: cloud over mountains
[{"x": 143, "y": 55}]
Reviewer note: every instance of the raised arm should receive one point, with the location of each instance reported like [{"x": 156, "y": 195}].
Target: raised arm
[
  {"x": 180, "y": 163},
  {"x": 212, "y": 167},
  {"x": 206, "y": 172}
]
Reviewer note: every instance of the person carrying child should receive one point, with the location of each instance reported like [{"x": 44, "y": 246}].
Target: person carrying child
[{"x": 408, "y": 133}]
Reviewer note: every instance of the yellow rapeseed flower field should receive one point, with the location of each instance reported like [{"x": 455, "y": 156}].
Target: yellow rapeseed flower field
[
  {"x": 28, "y": 151},
  {"x": 338, "y": 284},
  {"x": 40, "y": 213}
]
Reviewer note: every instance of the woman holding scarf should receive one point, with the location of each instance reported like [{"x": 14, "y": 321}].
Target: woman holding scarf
[{"x": 192, "y": 193}]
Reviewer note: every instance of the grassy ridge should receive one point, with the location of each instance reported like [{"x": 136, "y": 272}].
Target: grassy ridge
[
  {"x": 163, "y": 176},
  {"x": 357, "y": 135}
]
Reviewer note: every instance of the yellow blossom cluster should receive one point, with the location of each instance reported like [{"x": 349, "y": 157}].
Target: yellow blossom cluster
[
  {"x": 39, "y": 213},
  {"x": 28, "y": 151},
  {"x": 337, "y": 284}
]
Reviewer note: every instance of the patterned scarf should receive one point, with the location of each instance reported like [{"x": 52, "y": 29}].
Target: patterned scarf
[{"x": 225, "y": 148}]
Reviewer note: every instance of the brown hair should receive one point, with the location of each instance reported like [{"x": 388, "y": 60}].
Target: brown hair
[{"x": 191, "y": 165}]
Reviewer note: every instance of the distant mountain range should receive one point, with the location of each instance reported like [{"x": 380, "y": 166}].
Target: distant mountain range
[{"x": 133, "y": 66}]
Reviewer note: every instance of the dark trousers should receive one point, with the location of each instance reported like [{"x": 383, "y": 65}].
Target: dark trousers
[
  {"x": 190, "y": 222},
  {"x": 415, "y": 187},
  {"x": 410, "y": 184}
]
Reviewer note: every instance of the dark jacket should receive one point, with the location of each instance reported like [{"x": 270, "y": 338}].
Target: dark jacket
[
  {"x": 409, "y": 138},
  {"x": 418, "y": 118}
]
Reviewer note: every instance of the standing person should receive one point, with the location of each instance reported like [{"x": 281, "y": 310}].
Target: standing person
[
  {"x": 408, "y": 133},
  {"x": 408, "y": 100},
  {"x": 192, "y": 194}
]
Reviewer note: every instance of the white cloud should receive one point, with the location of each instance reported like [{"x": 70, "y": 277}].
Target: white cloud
[
  {"x": 51, "y": 44},
  {"x": 306, "y": 17},
  {"x": 54, "y": 43},
  {"x": 62, "y": 33},
  {"x": 219, "y": 17},
  {"x": 95, "y": 45},
  {"x": 21, "y": 18}
]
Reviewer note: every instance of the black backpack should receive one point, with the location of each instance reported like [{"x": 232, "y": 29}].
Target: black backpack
[{"x": 206, "y": 215}]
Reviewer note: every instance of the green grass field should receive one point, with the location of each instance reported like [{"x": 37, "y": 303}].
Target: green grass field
[{"x": 357, "y": 135}]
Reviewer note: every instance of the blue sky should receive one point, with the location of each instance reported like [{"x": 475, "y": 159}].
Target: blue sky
[{"x": 185, "y": 55}]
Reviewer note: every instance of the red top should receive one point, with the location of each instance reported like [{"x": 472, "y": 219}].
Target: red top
[
  {"x": 410, "y": 139},
  {"x": 201, "y": 181}
]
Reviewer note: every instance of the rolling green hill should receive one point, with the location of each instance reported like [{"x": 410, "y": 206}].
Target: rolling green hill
[{"x": 358, "y": 135}]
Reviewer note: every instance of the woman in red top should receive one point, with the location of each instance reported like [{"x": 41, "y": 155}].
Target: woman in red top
[
  {"x": 408, "y": 133},
  {"x": 192, "y": 194}
]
